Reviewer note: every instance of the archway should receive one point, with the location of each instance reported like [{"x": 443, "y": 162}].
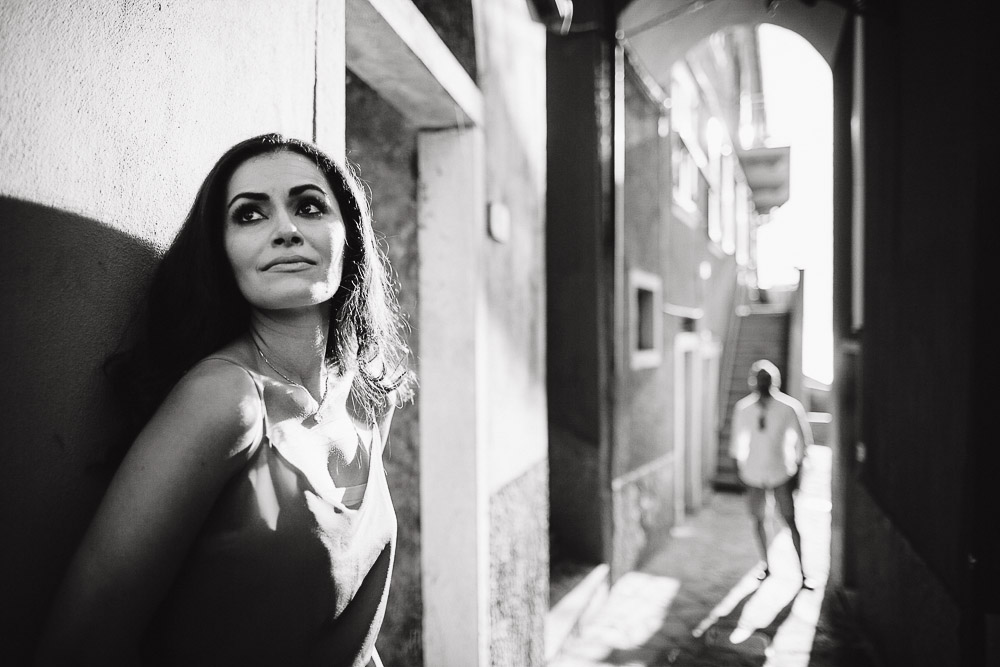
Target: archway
[{"x": 656, "y": 35}]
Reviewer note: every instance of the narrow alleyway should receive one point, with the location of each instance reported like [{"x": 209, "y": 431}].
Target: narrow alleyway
[{"x": 697, "y": 603}]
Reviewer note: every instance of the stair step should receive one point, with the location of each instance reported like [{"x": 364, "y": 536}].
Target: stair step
[{"x": 727, "y": 481}]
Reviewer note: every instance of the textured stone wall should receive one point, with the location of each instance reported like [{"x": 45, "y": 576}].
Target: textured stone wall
[
  {"x": 519, "y": 570},
  {"x": 642, "y": 507},
  {"x": 453, "y": 22},
  {"x": 383, "y": 148}
]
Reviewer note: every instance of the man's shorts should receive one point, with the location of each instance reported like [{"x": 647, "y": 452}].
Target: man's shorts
[{"x": 757, "y": 498}]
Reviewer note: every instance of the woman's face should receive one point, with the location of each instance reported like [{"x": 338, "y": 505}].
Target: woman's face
[{"x": 284, "y": 232}]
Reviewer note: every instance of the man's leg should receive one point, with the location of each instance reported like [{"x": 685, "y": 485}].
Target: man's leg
[
  {"x": 757, "y": 502},
  {"x": 783, "y": 499}
]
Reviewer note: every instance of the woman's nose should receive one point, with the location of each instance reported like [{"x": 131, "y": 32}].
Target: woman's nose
[{"x": 285, "y": 232}]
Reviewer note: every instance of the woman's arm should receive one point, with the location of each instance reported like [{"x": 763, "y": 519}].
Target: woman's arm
[{"x": 156, "y": 503}]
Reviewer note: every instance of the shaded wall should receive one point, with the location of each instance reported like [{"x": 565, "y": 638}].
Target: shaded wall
[
  {"x": 981, "y": 624},
  {"x": 111, "y": 116},
  {"x": 578, "y": 250},
  {"x": 911, "y": 524}
]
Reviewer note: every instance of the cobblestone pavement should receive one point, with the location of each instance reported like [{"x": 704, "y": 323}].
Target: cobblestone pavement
[{"x": 697, "y": 603}]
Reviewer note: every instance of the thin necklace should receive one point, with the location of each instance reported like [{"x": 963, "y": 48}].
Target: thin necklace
[{"x": 326, "y": 382}]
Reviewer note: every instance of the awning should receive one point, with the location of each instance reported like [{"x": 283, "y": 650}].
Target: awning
[{"x": 766, "y": 170}]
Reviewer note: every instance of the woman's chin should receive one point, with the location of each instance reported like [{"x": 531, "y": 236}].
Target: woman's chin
[
  {"x": 292, "y": 295},
  {"x": 291, "y": 302}
]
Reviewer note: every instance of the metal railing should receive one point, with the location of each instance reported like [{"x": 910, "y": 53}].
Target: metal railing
[{"x": 740, "y": 302}]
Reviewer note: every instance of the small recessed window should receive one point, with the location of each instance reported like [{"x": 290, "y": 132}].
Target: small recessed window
[
  {"x": 645, "y": 328},
  {"x": 646, "y": 319}
]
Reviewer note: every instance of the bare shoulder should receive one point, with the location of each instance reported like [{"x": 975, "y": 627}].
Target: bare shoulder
[
  {"x": 216, "y": 404},
  {"x": 154, "y": 507},
  {"x": 745, "y": 402}
]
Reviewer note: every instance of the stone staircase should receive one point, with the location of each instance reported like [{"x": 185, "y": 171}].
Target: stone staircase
[{"x": 759, "y": 334}]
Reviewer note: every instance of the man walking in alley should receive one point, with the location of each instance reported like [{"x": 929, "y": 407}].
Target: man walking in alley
[{"x": 768, "y": 439}]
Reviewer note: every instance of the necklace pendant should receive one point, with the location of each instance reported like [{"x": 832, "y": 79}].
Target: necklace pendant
[{"x": 318, "y": 416}]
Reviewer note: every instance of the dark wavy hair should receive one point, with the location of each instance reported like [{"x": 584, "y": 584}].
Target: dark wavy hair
[{"x": 194, "y": 306}]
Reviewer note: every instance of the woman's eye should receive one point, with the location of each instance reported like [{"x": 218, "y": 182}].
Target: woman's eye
[
  {"x": 312, "y": 209},
  {"x": 247, "y": 214}
]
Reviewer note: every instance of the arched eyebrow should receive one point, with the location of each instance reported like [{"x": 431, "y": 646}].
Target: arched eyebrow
[
  {"x": 256, "y": 196},
  {"x": 299, "y": 189},
  {"x": 293, "y": 192}
]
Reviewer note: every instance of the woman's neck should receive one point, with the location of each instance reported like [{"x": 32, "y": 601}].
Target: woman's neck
[{"x": 294, "y": 343}]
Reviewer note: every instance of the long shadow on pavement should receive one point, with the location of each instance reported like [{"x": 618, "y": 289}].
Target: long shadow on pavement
[{"x": 696, "y": 603}]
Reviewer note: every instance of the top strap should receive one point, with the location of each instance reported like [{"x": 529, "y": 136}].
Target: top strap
[{"x": 257, "y": 386}]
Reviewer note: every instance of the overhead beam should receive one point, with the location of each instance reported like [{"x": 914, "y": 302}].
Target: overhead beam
[{"x": 393, "y": 49}]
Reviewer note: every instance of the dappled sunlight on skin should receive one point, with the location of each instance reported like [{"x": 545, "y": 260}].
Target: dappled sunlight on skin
[
  {"x": 267, "y": 497},
  {"x": 320, "y": 291}
]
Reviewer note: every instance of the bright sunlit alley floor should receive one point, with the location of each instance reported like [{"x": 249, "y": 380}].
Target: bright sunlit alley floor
[{"x": 697, "y": 602}]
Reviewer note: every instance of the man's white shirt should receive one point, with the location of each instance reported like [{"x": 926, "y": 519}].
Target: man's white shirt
[{"x": 769, "y": 456}]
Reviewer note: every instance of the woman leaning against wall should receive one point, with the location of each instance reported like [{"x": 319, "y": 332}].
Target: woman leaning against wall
[{"x": 250, "y": 522}]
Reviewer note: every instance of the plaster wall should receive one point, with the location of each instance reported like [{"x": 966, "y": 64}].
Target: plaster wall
[
  {"x": 118, "y": 111},
  {"x": 511, "y": 53},
  {"x": 647, "y": 392},
  {"x": 659, "y": 242},
  {"x": 643, "y": 455},
  {"x": 512, "y": 78},
  {"x": 111, "y": 115}
]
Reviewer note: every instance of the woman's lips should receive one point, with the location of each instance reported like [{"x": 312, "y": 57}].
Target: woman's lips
[
  {"x": 290, "y": 267},
  {"x": 288, "y": 264}
]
